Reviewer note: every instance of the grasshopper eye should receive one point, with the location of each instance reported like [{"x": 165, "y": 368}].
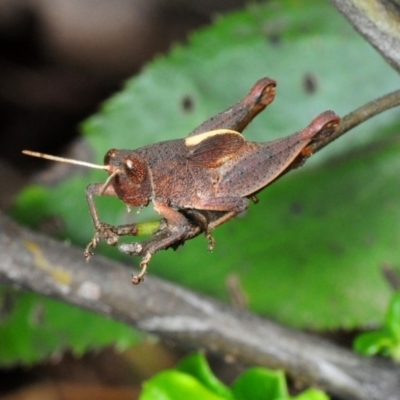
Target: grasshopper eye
[
  {"x": 109, "y": 155},
  {"x": 134, "y": 169}
]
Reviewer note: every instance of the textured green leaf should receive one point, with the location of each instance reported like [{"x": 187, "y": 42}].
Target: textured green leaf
[
  {"x": 312, "y": 394},
  {"x": 372, "y": 343},
  {"x": 260, "y": 384},
  {"x": 309, "y": 254},
  {"x": 385, "y": 341},
  {"x": 172, "y": 385},
  {"x": 34, "y": 327},
  {"x": 197, "y": 366},
  {"x": 393, "y": 317},
  {"x": 193, "y": 378}
]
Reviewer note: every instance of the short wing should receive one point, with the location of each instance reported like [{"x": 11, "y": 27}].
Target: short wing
[{"x": 211, "y": 149}]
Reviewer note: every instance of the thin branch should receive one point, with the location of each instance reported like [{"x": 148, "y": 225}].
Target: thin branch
[
  {"x": 361, "y": 115},
  {"x": 34, "y": 262}
]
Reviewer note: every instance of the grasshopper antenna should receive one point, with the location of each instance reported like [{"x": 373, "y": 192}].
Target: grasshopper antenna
[
  {"x": 77, "y": 162},
  {"x": 65, "y": 160}
]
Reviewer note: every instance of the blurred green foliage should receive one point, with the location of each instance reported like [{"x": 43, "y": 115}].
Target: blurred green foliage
[
  {"x": 386, "y": 340},
  {"x": 193, "y": 379}
]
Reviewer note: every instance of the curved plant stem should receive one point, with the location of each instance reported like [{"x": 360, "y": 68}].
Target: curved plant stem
[{"x": 361, "y": 115}]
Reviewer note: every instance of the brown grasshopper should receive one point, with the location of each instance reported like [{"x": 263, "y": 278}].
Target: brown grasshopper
[{"x": 202, "y": 181}]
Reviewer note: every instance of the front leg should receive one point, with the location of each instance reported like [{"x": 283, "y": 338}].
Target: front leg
[
  {"x": 109, "y": 233},
  {"x": 175, "y": 228}
]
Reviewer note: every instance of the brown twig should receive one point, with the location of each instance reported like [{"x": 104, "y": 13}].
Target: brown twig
[{"x": 361, "y": 115}]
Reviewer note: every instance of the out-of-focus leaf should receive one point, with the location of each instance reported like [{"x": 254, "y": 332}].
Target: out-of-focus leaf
[
  {"x": 312, "y": 394},
  {"x": 34, "y": 327},
  {"x": 197, "y": 366},
  {"x": 172, "y": 385},
  {"x": 393, "y": 317},
  {"x": 372, "y": 343},
  {"x": 260, "y": 384},
  {"x": 193, "y": 378},
  {"x": 385, "y": 341}
]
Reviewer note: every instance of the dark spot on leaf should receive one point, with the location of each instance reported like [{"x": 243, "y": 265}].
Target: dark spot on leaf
[
  {"x": 296, "y": 208},
  {"x": 37, "y": 315},
  {"x": 187, "y": 104},
  {"x": 274, "y": 39},
  {"x": 336, "y": 248},
  {"x": 310, "y": 83},
  {"x": 6, "y": 306}
]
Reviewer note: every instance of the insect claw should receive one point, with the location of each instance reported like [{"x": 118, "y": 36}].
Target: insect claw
[
  {"x": 211, "y": 241},
  {"x": 254, "y": 198},
  {"x": 88, "y": 253},
  {"x": 136, "y": 279}
]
